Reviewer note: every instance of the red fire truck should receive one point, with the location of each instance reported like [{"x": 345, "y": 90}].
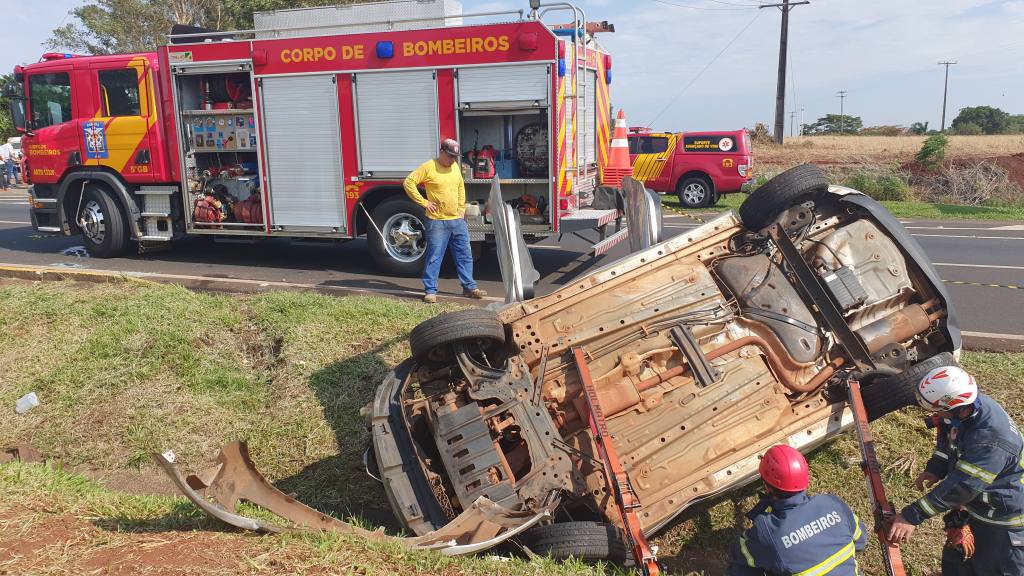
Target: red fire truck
[
  {"x": 306, "y": 126},
  {"x": 697, "y": 166}
]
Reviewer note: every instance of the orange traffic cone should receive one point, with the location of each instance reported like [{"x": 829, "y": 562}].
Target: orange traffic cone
[{"x": 618, "y": 161}]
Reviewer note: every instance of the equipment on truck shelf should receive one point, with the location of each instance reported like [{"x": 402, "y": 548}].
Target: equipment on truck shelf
[{"x": 532, "y": 150}]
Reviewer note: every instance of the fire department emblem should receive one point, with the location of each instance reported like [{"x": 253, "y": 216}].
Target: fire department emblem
[
  {"x": 95, "y": 134},
  {"x": 725, "y": 144}
]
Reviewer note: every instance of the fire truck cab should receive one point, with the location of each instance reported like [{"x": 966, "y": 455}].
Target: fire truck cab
[{"x": 306, "y": 127}]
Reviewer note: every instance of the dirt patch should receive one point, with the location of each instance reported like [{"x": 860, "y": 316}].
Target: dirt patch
[{"x": 1014, "y": 165}]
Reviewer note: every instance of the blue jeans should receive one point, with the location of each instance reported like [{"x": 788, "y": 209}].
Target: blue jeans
[
  {"x": 12, "y": 175},
  {"x": 441, "y": 233}
]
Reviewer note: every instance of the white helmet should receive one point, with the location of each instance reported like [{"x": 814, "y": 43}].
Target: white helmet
[{"x": 945, "y": 388}]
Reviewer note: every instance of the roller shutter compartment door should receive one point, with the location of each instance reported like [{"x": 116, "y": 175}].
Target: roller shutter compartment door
[
  {"x": 397, "y": 116},
  {"x": 303, "y": 143},
  {"x": 523, "y": 85},
  {"x": 586, "y": 123}
]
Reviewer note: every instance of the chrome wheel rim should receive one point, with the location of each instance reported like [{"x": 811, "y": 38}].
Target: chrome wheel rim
[
  {"x": 693, "y": 194},
  {"x": 92, "y": 222},
  {"x": 404, "y": 237}
]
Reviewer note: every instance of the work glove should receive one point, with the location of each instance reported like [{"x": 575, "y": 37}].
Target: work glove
[{"x": 958, "y": 532}]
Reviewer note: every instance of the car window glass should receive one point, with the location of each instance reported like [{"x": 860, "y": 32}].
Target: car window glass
[
  {"x": 120, "y": 92},
  {"x": 50, "y": 99},
  {"x": 658, "y": 144},
  {"x": 634, "y": 145}
]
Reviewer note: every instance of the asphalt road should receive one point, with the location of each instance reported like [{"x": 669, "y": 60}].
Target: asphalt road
[{"x": 979, "y": 259}]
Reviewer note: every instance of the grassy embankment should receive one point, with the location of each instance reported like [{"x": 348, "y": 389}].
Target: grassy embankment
[
  {"x": 129, "y": 368},
  {"x": 842, "y": 156}
]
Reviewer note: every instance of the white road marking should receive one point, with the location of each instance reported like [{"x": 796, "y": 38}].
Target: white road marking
[
  {"x": 995, "y": 266},
  {"x": 974, "y": 237},
  {"x": 13, "y": 222},
  {"x": 1010, "y": 227},
  {"x": 1014, "y": 337}
]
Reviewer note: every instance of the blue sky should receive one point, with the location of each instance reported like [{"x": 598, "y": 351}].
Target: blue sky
[{"x": 884, "y": 53}]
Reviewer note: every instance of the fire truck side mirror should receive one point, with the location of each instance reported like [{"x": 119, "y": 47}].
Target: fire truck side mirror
[{"x": 17, "y": 106}]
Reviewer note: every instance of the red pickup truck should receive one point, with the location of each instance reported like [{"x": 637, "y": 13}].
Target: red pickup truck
[{"x": 697, "y": 166}]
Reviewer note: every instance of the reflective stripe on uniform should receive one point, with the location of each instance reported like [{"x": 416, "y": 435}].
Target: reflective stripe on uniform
[
  {"x": 942, "y": 454},
  {"x": 856, "y": 530},
  {"x": 975, "y": 471},
  {"x": 830, "y": 563},
  {"x": 1015, "y": 521},
  {"x": 927, "y": 507},
  {"x": 746, "y": 552}
]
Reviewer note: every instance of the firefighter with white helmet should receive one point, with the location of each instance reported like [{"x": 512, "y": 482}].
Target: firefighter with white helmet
[
  {"x": 976, "y": 472},
  {"x": 794, "y": 533}
]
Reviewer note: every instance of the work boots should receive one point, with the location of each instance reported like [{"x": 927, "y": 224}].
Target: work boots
[{"x": 475, "y": 293}]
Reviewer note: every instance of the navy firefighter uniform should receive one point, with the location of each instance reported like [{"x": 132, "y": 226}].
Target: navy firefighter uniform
[
  {"x": 793, "y": 533},
  {"x": 979, "y": 460}
]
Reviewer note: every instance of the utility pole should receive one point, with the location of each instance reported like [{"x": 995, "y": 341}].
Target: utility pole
[
  {"x": 842, "y": 116},
  {"x": 801, "y": 120},
  {"x": 945, "y": 89},
  {"x": 780, "y": 93},
  {"x": 792, "y": 122}
]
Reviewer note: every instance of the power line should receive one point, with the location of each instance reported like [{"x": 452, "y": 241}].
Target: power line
[
  {"x": 945, "y": 90},
  {"x": 722, "y": 51},
  {"x": 780, "y": 94},
  {"x": 692, "y": 7}
]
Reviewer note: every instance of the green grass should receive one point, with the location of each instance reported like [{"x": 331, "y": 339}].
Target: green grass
[
  {"x": 900, "y": 209},
  {"x": 129, "y": 368}
]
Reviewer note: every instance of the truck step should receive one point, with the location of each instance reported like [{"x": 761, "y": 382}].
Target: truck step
[
  {"x": 608, "y": 243},
  {"x": 586, "y": 219}
]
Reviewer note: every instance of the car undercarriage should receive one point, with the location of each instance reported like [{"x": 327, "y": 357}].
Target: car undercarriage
[{"x": 704, "y": 350}]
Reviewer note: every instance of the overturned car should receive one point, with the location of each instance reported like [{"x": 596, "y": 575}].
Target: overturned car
[{"x": 699, "y": 353}]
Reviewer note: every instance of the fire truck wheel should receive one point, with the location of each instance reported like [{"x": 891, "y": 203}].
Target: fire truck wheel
[
  {"x": 400, "y": 251},
  {"x": 796, "y": 185},
  {"x": 103, "y": 225},
  {"x": 582, "y": 540},
  {"x": 891, "y": 393},
  {"x": 694, "y": 192}
]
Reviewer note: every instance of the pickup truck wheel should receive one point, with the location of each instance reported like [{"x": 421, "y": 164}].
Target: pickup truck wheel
[
  {"x": 890, "y": 394},
  {"x": 432, "y": 340},
  {"x": 794, "y": 186},
  {"x": 694, "y": 192},
  {"x": 582, "y": 540},
  {"x": 104, "y": 230},
  {"x": 401, "y": 250}
]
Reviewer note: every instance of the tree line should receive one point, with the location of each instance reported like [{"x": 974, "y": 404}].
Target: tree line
[{"x": 971, "y": 121}]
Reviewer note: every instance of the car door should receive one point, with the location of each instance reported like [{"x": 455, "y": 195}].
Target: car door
[
  {"x": 117, "y": 135},
  {"x": 653, "y": 162}
]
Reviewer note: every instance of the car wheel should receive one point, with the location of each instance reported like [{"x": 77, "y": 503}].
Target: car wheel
[
  {"x": 694, "y": 192},
  {"x": 401, "y": 250},
  {"x": 103, "y": 226},
  {"x": 582, "y": 540},
  {"x": 431, "y": 341},
  {"x": 895, "y": 392},
  {"x": 794, "y": 186}
]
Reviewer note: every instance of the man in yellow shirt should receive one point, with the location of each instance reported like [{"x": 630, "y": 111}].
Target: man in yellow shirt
[{"x": 445, "y": 205}]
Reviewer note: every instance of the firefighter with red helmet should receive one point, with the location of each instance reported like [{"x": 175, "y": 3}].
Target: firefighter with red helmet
[
  {"x": 976, "y": 472},
  {"x": 794, "y": 533}
]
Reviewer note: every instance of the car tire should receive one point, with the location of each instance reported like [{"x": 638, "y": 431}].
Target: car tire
[
  {"x": 431, "y": 341},
  {"x": 402, "y": 250},
  {"x": 899, "y": 391},
  {"x": 794, "y": 186},
  {"x": 104, "y": 230},
  {"x": 593, "y": 541},
  {"x": 695, "y": 192}
]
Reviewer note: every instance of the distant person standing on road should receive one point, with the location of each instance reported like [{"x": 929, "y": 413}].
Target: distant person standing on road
[
  {"x": 445, "y": 206},
  {"x": 6, "y": 165}
]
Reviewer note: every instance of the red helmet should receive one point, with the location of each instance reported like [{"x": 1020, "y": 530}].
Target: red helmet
[{"x": 784, "y": 468}]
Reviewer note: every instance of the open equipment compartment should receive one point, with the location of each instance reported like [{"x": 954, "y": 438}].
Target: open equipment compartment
[
  {"x": 504, "y": 124},
  {"x": 219, "y": 141}
]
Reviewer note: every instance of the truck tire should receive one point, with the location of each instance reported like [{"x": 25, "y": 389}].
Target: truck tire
[
  {"x": 895, "y": 392},
  {"x": 794, "y": 186},
  {"x": 104, "y": 230},
  {"x": 432, "y": 339},
  {"x": 582, "y": 540},
  {"x": 402, "y": 249},
  {"x": 695, "y": 192}
]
